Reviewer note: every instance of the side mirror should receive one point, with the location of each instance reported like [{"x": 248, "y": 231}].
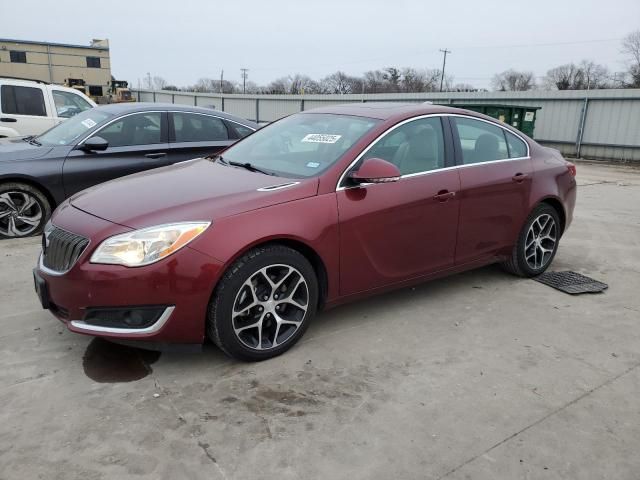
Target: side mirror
[
  {"x": 376, "y": 170},
  {"x": 94, "y": 144}
]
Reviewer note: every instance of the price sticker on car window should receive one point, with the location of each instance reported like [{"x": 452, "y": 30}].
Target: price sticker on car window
[
  {"x": 321, "y": 138},
  {"x": 87, "y": 122}
]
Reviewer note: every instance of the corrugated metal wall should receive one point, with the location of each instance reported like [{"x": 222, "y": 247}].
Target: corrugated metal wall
[{"x": 599, "y": 124}]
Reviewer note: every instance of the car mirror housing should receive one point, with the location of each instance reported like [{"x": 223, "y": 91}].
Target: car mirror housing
[
  {"x": 375, "y": 170},
  {"x": 94, "y": 144}
]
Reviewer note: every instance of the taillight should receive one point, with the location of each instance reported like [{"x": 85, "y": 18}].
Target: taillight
[{"x": 572, "y": 168}]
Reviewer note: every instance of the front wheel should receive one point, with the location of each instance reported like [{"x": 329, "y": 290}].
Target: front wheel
[
  {"x": 537, "y": 243},
  {"x": 263, "y": 304},
  {"x": 24, "y": 210}
]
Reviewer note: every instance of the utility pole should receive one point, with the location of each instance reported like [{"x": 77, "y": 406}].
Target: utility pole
[
  {"x": 444, "y": 63},
  {"x": 244, "y": 79},
  {"x": 149, "y": 81},
  {"x": 221, "y": 79}
]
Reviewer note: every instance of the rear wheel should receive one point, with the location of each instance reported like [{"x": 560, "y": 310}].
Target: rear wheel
[
  {"x": 537, "y": 243},
  {"x": 263, "y": 304},
  {"x": 24, "y": 210}
]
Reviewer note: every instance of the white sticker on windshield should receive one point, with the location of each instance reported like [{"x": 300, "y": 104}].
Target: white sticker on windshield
[
  {"x": 321, "y": 138},
  {"x": 313, "y": 164},
  {"x": 87, "y": 122}
]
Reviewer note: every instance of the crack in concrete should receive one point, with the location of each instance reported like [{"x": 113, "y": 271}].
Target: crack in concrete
[{"x": 540, "y": 420}]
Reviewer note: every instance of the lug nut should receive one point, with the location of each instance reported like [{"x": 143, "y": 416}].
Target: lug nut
[{"x": 265, "y": 298}]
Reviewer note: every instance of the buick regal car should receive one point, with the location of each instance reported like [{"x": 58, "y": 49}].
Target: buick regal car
[
  {"x": 314, "y": 210},
  {"x": 38, "y": 172}
]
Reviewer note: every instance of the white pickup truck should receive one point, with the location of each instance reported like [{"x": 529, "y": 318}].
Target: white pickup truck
[{"x": 29, "y": 107}]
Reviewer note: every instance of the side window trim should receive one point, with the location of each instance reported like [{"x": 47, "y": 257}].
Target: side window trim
[
  {"x": 172, "y": 130},
  {"x": 163, "y": 126},
  {"x": 457, "y": 144},
  {"x": 225, "y": 121},
  {"x": 448, "y": 151},
  {"x": 457, "y": 154}
]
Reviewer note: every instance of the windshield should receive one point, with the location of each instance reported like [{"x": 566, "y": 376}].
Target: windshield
[
  {"x": 67, "y": 132},
  {"x": 301, "y": 145}
]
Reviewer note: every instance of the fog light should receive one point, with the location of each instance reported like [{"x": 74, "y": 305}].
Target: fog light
[{"x": 124, "y": 317}]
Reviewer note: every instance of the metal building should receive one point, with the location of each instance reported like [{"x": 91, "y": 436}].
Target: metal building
[{"x": 57, "y": 62}]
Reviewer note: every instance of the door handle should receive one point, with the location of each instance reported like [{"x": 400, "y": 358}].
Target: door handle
[
  {"x": 444, "y": 195},
  {"x": 8, "y": 119},
  {"x": 519, "y": 177},
  {"x": 155, "y": 155}
]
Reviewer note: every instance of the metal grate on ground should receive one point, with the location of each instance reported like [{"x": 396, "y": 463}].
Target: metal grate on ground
[{"x": 571, "y": 282}]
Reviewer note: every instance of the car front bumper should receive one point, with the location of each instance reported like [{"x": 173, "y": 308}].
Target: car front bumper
[{"x": 180, "y": 284}]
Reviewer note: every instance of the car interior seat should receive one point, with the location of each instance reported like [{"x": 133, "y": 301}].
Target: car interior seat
[
  {"x": 418, "y": 153},
  {"x": 486, "y": 148}
]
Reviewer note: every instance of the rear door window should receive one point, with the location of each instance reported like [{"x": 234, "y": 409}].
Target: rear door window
[
  {"x": 190, "y": 127},
  {"x": 517, "y": 148},
  {"x": 22, "y": 101},
  {"x": 480, "y": 141}
]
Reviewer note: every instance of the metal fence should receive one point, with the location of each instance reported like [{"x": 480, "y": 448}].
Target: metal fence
[{"x": 595, "y": 124}]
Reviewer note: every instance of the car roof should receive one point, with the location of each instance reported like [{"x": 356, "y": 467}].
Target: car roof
[
  {"x": 122, "y": 108},
  {"x": 389, "y": 110}
]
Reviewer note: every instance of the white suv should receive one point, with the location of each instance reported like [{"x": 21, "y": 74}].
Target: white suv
[{"x": 29, "y": 107}]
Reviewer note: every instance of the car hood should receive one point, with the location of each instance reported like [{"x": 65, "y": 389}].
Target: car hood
[
  {"x": 188, "y": 191},
  {"x": 17, "y": 149}
]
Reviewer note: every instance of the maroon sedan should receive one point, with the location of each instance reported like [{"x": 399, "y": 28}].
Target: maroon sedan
[{"x": 317, "y": 209}]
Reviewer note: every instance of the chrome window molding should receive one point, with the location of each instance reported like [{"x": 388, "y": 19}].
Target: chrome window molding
[
  {"x": 339, "y": 185},
  {"x": 120, "y": 118},
  {"x": 160, "y": 111},
  {"x": 214, "y": 116},
  {"x": 86, "y": 327}
]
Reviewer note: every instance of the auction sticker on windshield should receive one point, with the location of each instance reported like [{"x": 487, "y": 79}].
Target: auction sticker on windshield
[
  {"x": 87, "y": 122},
  {"x": 321, "y": 138}
]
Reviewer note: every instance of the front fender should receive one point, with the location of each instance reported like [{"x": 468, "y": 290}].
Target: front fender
[{"x": 312, "y": 221}]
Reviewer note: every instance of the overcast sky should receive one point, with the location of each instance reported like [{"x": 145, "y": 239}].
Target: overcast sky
[{"x": 186, "y": 40}]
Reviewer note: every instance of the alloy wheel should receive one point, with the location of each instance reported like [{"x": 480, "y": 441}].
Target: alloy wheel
[
  {"x": 20, "y": 214},
  {"x": 540, "y": 243},
  {"x": 270, "y": 307}
]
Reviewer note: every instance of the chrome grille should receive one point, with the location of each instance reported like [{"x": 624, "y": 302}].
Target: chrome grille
[{"x": 61, "y": 249}]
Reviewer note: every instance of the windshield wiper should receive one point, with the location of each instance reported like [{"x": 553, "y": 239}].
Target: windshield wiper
[
  {"x": 31, "y": 139},
  {"x": 247, "y": 166}
]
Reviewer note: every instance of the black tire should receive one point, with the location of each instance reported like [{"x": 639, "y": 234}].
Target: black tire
[
  {"x": 517, "y": 263},
  {"x": 220, "y": 320},
  {"x": 16, "y": 192}
]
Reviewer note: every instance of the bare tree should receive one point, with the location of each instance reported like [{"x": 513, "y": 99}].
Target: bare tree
[
  {"x": 374, "y": 82},
  {"x": 631, "y": 47},
  {"x": 513, "y": 80},
  {"x": 584, "y": 76},
  {"x": 392, "y": 75},
  {"x": 340, "y": 82},
  {"x": 159, "y": 83},
  {"x": 280, "y": 85},
  {"x": 303, "y": 84},
  {"x": 206, "y": 85},
  {"x": 413, "y": 80},
  {"x": 593, "y": 75}
]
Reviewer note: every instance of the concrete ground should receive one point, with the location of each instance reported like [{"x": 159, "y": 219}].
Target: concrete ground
[{"x": 480, "y": 376}]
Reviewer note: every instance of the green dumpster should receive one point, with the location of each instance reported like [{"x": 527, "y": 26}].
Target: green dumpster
[{"x": 522, "y": 118}]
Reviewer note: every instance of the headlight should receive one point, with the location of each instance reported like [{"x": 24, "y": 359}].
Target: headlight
[{"x": 142, "y": 247}]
